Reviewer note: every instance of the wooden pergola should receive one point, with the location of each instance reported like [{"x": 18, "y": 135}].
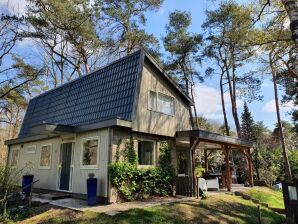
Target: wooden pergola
[{"x": 225, "y": 143}]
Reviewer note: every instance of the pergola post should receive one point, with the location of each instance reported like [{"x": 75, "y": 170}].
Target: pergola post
[
  {"x": 193, "y": 144},
  {"x": 228, "y": 170},
  {"x": 206, "y": 160},
  {"x": 250, "y": 172}
]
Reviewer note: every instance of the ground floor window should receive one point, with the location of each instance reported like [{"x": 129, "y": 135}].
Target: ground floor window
[
  {"x": 90, "y": 152},
  {"x": 45, "y": 156},
  {"x": 146, "y": 152},
  {"x": 14, "y": 157}
]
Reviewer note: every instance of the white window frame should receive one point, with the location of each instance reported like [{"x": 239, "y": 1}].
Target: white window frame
[
  {"x": 97, "y": 154},
  {"x": 158, "y": 110},
  {"x": 30, "y": 152},
  {"x": 10, "y": 160},
  {"x": 45, "y": 167},
  {"x": 154, "y": 152}
]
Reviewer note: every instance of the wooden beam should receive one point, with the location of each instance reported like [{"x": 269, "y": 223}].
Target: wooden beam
[
  {"x": 193, "y": 144},
  {"x": 228, "y": 170},
  {"x": 206, "y": 159},
  {"x": 250, "y": 172}
]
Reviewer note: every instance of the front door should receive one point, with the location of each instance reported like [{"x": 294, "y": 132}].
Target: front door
[{"x": 65, "y": 166}]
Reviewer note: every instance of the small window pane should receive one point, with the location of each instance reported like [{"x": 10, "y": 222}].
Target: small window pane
[
  {"x": 152, "y": 101},
  {"x": 45, "y": 156},
  {"x": 14, "y": 157},
  {"x": 31, "y": 149},
  {"x": 166, "y": 104},
  {"x": 145, "y": 152},
  {"x": 90, "y": 152},
  {"x": 292, "y": 193}
]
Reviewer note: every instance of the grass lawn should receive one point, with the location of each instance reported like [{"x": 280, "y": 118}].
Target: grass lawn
[
  {"x": 273, "y": 198},
  {"x": 221, "y": 208}
]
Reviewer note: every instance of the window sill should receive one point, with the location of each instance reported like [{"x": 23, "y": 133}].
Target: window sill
[
  {"x": 44, "y": 168},
  {"x": 89, "y": 167},
  {"x": 146, "y": 166},
  {"x": 155, "y": 111}
]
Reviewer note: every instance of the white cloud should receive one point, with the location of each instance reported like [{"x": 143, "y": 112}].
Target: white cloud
[
  {"x": 208, "y": 102},
  {"x": 269, "y": 107},
  {"x": 14, "y": 6}
]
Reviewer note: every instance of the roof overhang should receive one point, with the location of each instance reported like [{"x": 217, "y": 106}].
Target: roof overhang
[
  {"x": 211, "y": 137},
  {"x": 46, "y": 130},
  {"x": 52, "y": 129}
]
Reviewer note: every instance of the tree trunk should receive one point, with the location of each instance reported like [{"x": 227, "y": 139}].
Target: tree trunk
[
  {"x": 257, "y": 163},
  {"x": 232, "y": 90},
  {"x": 223, "y": 105},
  {"x": 279, "y": 123},
  {"x": 186, "y": 81},
  {"x": 291, "y": 7}
]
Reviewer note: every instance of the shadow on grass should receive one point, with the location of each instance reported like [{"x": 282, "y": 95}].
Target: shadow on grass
[{"x": 220, "y": 209}]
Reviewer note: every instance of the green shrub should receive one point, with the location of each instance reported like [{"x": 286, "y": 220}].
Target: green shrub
[
  {"x": 124, "y": 177},
  {"x": 199, "y": 171},
  {"x": 130, "y": 153},
  {"x": 133, "y": 182}
]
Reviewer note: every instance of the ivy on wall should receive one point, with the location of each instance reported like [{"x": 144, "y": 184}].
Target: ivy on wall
[{"x": 133, "y": 183}]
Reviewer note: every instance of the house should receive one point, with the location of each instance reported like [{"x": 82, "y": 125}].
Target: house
[{"x": 73, "y": 130}]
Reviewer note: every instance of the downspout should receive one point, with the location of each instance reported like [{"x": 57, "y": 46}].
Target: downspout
[
  {"x": 7, "y": 157},
  {"x": 109, "y": 162}
]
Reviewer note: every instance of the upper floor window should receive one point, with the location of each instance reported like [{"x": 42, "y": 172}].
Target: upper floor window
[{"x": 161, "y": 103}]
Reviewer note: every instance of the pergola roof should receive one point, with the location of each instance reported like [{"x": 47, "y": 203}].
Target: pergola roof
[{"x": 211, "y": 137}]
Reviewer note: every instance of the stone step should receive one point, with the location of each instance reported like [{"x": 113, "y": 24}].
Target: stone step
[{"x": 54, "y": 195}]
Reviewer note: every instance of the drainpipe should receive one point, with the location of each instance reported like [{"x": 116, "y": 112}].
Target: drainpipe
[
  {"x": 109, "y": 162},
  {"x": 7, "y": 157}
]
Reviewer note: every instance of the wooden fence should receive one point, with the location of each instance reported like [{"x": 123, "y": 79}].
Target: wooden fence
[{"x": 187, "y": 186}]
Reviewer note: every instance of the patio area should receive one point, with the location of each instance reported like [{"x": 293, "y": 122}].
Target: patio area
[
  {"x": 111, "y": 209},
  {"x": 189, "y": 143}
]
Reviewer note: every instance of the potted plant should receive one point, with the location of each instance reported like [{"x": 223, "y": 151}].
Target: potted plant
[
  {"x": 199, "y": 171},
  {"x": 202, "y": 185},
  {"x": 91, "y": 189},
  {"x": 27, "y": 181}
]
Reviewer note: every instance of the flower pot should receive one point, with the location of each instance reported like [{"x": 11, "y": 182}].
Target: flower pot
[
  {"x": 91, "y": 191},
  {"x": 27, "y": 184}
]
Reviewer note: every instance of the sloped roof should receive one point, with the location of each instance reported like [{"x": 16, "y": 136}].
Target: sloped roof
[{"x": 104, "y": 94}]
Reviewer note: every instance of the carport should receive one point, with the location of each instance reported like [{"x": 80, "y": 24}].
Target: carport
[{"x": 191, "y": 140}]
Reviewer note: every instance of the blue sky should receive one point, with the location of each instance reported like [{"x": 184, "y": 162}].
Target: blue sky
[
  {"x": 207, "y": 93},
  {"x": 208, "y": 98}
]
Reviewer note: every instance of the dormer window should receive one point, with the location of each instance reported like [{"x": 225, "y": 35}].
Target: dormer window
[{"x": 162, "y": 103}]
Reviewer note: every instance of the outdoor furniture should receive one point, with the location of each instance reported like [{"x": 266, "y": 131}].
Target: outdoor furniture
[
  {"x": 203, "y": 184},
  {"x": 213, "y": 183}
]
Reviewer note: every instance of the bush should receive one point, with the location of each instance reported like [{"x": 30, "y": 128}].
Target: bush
[
  {"x": 293, "y": 159},
  {"x": 134, "y": 183},
  {"x": 199, "y": 171},
  {"x": 9, "y": 180},
  {"x": 124, "y": 177}
]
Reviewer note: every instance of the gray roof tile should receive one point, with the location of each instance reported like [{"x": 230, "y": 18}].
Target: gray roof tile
[{"x": 106, "y": 93}]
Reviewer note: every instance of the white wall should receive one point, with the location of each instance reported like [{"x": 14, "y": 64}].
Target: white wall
[{"x": 48, "y": 178}]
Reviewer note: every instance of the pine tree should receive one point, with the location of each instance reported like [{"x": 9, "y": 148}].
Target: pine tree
[
  {"x": 247, "y": 123},
  {"x": 183, "y": 47}
]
